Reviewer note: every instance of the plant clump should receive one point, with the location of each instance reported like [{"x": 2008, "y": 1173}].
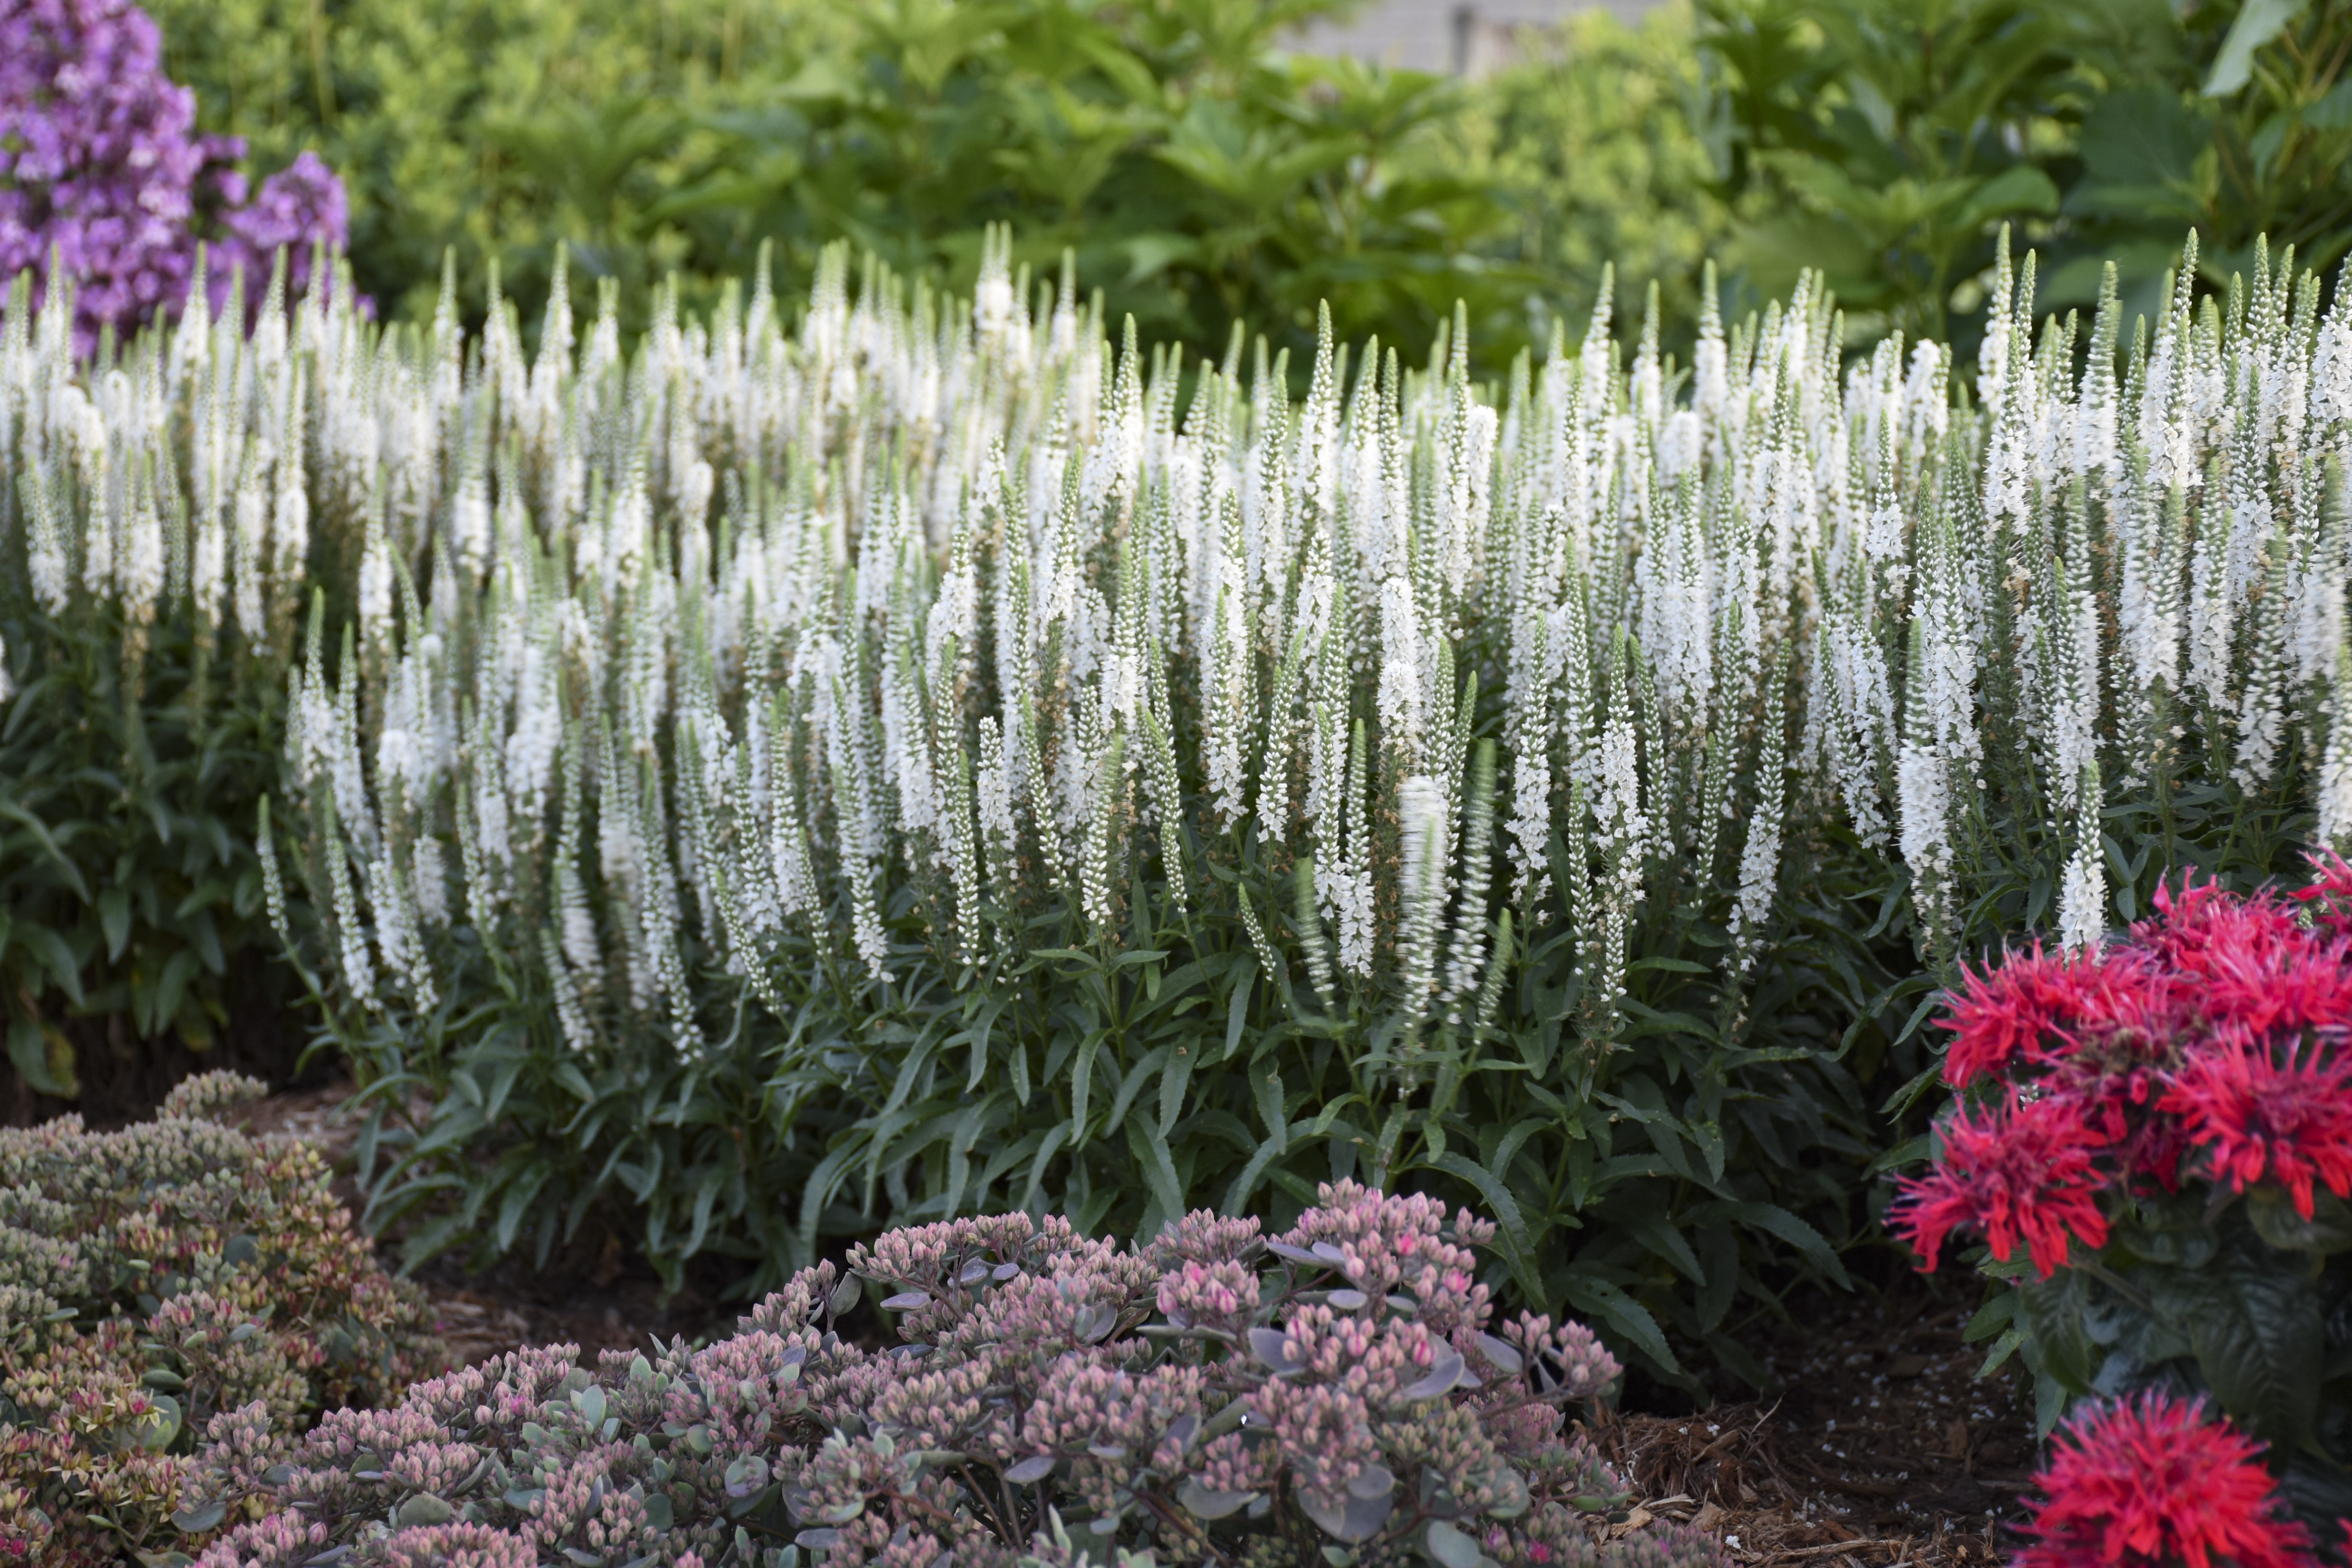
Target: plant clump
[
  {"x": 152, "y": 1278},
  {"x": 2156, "y": 1157},
  {"x": 1338, "y": 1394}
]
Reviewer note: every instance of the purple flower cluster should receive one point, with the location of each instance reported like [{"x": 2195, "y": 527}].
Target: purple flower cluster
[
  {"x": 103, "y": 173},
  {"x": 1339, "y": 1393}
]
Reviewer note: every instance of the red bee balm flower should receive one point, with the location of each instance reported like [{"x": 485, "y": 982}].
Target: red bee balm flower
[
  {"x": 2025, "y": 1172},
  {"x": 2290, "y": 1120},
  {"x": 2039, "y": 1008},
  {"x": 2002, "y": 1016},
  {"x": 2148, "y": 1483},
  {"x": 2328, "y": 900}
]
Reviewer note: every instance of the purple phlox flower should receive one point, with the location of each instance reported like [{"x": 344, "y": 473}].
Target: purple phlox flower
[{"x": 105, "y": 180}]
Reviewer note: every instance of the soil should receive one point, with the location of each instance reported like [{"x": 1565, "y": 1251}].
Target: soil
[
  {"x": 125, "y": 1078},
  {"x": 1883, "y": 1449}
]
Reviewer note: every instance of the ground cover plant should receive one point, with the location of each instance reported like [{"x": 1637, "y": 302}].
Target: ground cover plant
[
  {"x": 2157, "y": 1144},
  {"x": 152, "y": 1278},
  {"x": 1343, "y": 1392}
]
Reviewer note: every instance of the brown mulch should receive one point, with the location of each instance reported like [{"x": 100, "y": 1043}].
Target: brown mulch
[{"x": 1883, "y": 1449}]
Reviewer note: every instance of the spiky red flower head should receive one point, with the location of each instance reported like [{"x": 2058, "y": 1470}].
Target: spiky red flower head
[
  {"x": 2025, "y": 1172},
  {"x": 2328, "y": 899},
  {"x": 2150, "y": 1483},
  {"x": 2040, "y": 1007},
  {"x": 2284, "y": 1114},
  {"x": 2001, "y": 1017},
  {"x": 2204, "y": 927}
]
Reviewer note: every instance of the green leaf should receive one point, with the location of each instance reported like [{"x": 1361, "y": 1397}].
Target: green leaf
[
  {"x": 50, "y": 849},
  {"x": 2258, "y": 22},
  {"x": 54, "y": 956},
  {"x": 1237, "y": 1195},
  {"x": 1598, "y": 1298},
  {"x": 2254, "y": 1325},
  {"x": 2059, "y": 1313},
  {"x": 1150, "y": 1147},
  {"x": 1237, "y": 1002},
  {"x": 43, "y": 1058},
  {"x": 2274, "y": 1219},
  {"x": 114, "y": 918},
  {"x": 1081, "y": 1079},
  {"x": 161, "y": 1425},
  {"x": 1451, "y": 1548},
  {"x": 1173, "y": 1082},
  {"x": 197, "y": 1518},
  {"x": 2017, "y": 190}
]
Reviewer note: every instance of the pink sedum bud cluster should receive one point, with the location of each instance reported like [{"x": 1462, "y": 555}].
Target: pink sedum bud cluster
[{"x": 1213, "y": 1396}]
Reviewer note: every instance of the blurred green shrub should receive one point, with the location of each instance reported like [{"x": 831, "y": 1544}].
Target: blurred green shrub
[
  {"x": 1891, "y": 139},
  {"x": 1592, "y": 140},
  {"x": 1200, "y": 176},
  {"x": 453, "y": 121}
]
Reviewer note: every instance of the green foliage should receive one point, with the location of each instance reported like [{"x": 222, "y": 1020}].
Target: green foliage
[
  {"x": 501, "y": 126},
  {"x": 1592, "y": 139},
  {"x": 593, "y": 970},
  {"x": 1200, "y": 178},
  {"x": 2152, "y": 1137},
  {"x": 1663, "y": 1186},
  {"x": 132, "y": 759},
  {"x": 1894, "y": 139},
  {"x": 154, "y": 1279},
  {"x": 2242, "y": 1297}
]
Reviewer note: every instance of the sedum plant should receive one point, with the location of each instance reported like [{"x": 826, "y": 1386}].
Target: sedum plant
[
  {"x": 2157, "y": 1144},
  {"x": 152, "y": 1278},
  {"x": 1343, "y": 1392}
]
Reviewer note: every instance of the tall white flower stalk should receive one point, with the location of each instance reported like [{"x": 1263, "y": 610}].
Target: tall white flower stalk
[{"x": 754, "y": 656}]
